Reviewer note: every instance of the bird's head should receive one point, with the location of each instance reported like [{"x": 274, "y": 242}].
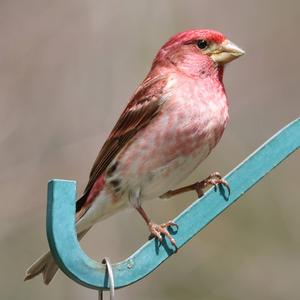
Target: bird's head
[{"x": 198, "y": 52}]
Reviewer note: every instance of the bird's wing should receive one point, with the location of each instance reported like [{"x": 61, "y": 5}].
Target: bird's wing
[{"x": 142, "y": 108}]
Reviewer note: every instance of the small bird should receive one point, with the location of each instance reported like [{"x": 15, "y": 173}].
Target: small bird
[{"x": 174, "y": 119}]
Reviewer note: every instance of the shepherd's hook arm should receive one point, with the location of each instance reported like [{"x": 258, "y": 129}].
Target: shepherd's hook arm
[{"x": 73, "y": 261}]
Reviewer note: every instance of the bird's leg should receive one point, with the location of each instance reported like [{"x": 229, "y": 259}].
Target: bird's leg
[
  {"x": 157, "y": 230},
  {"x": 212, "y": 180}
]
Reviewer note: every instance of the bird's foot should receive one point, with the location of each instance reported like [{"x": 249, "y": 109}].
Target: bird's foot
[
  {"x": 159, "y": 230},
  {"x": 213, "y": 179}
]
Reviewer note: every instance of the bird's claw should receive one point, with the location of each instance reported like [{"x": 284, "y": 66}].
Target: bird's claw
[
  {"x": 213, "y": 179},
  {"x": 156, "y": 231},
  {"x": 170, "y": 224}
]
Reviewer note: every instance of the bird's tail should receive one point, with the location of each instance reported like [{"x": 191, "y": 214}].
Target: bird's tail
[{"x": 46, "y": 265}]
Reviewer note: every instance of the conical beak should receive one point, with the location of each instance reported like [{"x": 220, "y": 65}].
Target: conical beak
[{"x": 226, "y": 52}]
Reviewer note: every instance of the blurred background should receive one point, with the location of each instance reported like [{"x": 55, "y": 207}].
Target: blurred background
[{"x": 67, "y": 69}]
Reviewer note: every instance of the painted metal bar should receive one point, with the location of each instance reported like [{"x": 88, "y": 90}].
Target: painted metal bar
[{"x": 78, "y": 266}]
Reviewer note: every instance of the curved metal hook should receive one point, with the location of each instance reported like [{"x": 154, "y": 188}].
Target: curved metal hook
[
  {"x": 107, "y": 262},
  {"x": 82, "y": 269}
]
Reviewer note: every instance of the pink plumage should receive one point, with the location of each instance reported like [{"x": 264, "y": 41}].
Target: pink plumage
[{"x": 173, "y": 121}]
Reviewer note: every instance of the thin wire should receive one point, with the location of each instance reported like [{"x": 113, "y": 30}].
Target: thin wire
[
  {"x": 100, "y": 295},
  {"x": 106, "y": 261}
]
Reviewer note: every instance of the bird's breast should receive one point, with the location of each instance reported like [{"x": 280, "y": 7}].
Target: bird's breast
[
  {"x": 195, "y": 118},
  {"x": 188, "y": 126}
]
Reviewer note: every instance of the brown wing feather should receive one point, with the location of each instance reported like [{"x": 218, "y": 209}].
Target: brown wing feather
[{"x": 141, "y": 109}]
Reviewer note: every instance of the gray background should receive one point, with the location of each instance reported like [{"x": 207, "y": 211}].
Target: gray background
[{"x": 67, "y": 68}]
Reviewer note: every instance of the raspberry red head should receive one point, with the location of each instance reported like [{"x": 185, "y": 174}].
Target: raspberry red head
[
  {"x": 194, "y": 35},
  {"x": 196, "y": 50}
]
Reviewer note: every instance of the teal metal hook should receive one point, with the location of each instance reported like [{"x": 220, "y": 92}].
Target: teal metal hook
[{"x": 78, "y": 266}]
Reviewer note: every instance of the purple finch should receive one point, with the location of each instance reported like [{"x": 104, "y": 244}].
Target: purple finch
[{"x": 173, "y": 121}]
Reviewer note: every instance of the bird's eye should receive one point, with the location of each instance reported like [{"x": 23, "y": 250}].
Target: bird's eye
[{"x": 202, "y": 44}]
